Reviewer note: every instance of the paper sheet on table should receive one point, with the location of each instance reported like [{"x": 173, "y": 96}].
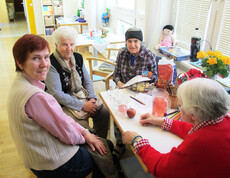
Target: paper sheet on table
[
  {"x": 136, "y": 79},
  {"x": 140, "y": 108}
]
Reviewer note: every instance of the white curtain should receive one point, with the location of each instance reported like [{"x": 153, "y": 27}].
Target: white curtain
[
  {"x": 152, "y": 23},
  {"x": 90, "y": 13}
]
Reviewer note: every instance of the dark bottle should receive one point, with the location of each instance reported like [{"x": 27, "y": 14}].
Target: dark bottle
[{"x": 195, "y": 45}]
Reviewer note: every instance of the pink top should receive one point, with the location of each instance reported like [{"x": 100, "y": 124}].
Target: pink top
[
  {"x": 167, "y": 41},
  {"x": 47, "y": 112}
]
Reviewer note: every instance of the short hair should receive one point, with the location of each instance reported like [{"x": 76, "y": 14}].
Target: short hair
[
  {"x": 205, "y": 98},
  {"x": 134, "y": 32},
  {"x": 169, "y": 27},
  {"x": 25, "y": 45},
  {"x": 64, "y": 32}
]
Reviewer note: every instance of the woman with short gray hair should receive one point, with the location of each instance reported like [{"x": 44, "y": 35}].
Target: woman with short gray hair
[
  {"x": 206, "y": 102},
  {"x": 205, "y": 130},
  {"x": 64, "y": 32}
]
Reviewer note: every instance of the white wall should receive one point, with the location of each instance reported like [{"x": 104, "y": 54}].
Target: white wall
[{"x": 70, "y": 7}]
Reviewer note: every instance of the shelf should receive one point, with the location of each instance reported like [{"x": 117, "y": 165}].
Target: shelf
[{"x": 50, "y": 10}]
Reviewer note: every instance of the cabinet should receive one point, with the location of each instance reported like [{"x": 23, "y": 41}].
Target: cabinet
[{"x": 51, "y": 9}]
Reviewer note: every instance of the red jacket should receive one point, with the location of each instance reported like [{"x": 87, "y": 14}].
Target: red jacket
[{"x": 204, "y": 153}]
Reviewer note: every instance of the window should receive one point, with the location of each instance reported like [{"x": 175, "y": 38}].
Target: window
[
  {"x": 122, "y": 27},
  {"x": 126, "y": 4},
  {"x": 191, "y": 14},
  {"x": 223, "y": 42},
  {"x": 212, "y": 17}
]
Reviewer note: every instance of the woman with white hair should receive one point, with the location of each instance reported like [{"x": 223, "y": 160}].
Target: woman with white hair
[
  {"x": 205, "y": 128},
  {"x": 70, "y": 84}
]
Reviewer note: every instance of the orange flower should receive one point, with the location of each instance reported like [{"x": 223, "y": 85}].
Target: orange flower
[
  {"x": 202, "y": 54},
  {"x": 212, "y": 60},
  {"x": 218, "y": 54},
  {"x": 211, "y": 53},
  {"x": 225, "y": 59}
]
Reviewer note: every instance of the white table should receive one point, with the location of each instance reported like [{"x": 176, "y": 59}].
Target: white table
[
  {"x": 161, "y": 140},
  {"x": 99, "y": 44}
]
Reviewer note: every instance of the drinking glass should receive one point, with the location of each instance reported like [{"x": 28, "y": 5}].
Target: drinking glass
[{"x": 160, "y": 102}]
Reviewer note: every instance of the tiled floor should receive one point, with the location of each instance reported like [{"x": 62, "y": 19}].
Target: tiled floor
[{"x": 15, "y": 28}]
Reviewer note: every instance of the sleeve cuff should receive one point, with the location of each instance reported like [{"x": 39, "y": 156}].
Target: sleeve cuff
[
  {"x": 141, "y": 143},
  {"x": 167, "y": 124}
]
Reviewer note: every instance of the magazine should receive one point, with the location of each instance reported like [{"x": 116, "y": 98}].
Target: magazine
[{"x": 136, "y": 79}]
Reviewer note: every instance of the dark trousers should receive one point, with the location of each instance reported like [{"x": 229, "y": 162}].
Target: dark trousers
[
  {"x": 84, "y": 162},
  {"x": 80, "y": 165}
]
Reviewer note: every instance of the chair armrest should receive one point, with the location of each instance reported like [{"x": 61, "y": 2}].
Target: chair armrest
[
  {"x": 100, "y": 59},
  {"x": 106, "y": 80},
  {"x": 108, "y": 77}
]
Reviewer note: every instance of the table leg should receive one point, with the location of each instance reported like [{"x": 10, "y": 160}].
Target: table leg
[
  {"x": 95, "y": 54},
  {"x": 81, "y": 29}
]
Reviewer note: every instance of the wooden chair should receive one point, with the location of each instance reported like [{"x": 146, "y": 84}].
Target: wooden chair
[{"x": 104, "y": 67}]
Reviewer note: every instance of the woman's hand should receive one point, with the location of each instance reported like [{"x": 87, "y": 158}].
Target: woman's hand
[
  {"x": 120, "y": 84},
  {"x": 147, "y": 119},
  {"x": 90, "y": 107},
  {"x": 128, "y": 136},
  {"x": 93, "y": 100},
  {"x": 94, "y": 143}
]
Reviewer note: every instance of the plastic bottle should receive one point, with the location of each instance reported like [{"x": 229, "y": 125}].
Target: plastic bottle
[{"x": 195, "y": 45}]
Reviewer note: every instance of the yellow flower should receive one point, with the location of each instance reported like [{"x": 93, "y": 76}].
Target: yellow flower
[
  {"x": 218, "y": 54},
  {"x": 225, "y": 59},
  {"x": 211, "y": 53},
  {"x": 212, "y": 61},
  {"x": 202, "y": 54}
]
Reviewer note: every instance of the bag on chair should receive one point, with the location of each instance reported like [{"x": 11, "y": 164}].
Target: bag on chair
[{"x": 82, "y": 95}]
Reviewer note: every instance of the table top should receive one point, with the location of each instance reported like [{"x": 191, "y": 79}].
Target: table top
[
  {"x": 65, "y": 21},
  {"x": 87, "y": 40},
  {"x": 100, "y": 44},
  {"x": 161, "y": 140}
]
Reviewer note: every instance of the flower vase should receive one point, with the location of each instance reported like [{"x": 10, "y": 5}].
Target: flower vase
[{"x": 214, "y": 77}]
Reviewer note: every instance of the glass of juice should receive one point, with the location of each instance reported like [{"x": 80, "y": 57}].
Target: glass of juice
[{"x": 160, "y": 102}]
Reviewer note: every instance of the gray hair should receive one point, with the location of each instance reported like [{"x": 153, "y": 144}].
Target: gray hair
[
  {"x": 206, "y": 99},
  {"x": 64, "y": 32}
]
